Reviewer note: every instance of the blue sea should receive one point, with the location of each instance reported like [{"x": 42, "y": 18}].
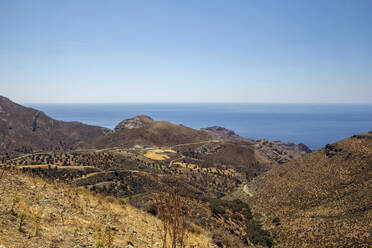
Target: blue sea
[{"x": 312, "y": 124}]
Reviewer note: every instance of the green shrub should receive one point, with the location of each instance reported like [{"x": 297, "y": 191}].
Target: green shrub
[
  {"x": 37, "y": 220},
  {"x": 22, "y": 218},
  {"x": 236, "y": 217},
  {"x": 16, "y": 199},
  {"x": 257, "y": 235},
  {"x": 276, "y": 221},
  {"x": 99, "y": 244}
]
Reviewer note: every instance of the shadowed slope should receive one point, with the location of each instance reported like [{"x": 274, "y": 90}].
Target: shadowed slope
[{"x": 25, "y": 129}]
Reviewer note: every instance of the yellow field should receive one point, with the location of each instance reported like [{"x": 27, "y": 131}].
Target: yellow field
[
  {"x": 159, "y": 154},
  {"x": 185, "y": 165}
]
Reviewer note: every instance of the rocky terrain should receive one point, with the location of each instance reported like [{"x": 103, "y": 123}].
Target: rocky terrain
[{"x": 280, "y": 152}]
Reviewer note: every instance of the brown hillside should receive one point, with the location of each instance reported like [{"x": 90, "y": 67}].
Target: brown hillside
[
  {"x": 322, "y": 199},
  {"x": 142, "y": 130},
  {"x": 25, "y": 130}
]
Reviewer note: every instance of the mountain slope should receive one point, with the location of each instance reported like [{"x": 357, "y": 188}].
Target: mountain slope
[
  {"x": 58, "y": 215},
  {"x": 25, "y": 130},
  {"x": 322, "y": 199},
  {"x": 142, "y": 130}
]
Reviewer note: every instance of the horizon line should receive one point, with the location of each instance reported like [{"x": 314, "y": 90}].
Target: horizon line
[{"x": 155, "y": 102}]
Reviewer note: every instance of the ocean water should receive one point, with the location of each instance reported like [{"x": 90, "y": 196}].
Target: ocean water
[{"x": 312, "y": 124}]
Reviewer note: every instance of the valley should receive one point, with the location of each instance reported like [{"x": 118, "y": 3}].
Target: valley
[{"x": 239, "y": 192}]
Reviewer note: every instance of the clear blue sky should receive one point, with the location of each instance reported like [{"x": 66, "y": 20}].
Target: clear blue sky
[{"x": 186, "y": 51}]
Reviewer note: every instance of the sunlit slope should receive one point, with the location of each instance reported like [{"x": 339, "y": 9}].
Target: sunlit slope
[{"x": 323, "y": 198}]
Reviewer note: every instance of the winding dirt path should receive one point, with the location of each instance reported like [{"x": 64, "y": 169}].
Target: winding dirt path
[
  {"x": 246, "y": 190},
  {"x": 196, "y": 143},
  {"x": 174, "y": 160}
]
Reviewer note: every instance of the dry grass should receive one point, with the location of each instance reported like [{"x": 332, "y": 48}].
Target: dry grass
[
  {"x": 185, "y": 165},
  {"x": 56, "y": 215},
  {"x": 159, "y": 154}
]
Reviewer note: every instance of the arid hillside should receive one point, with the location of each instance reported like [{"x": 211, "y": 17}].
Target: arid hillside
[
  {"x": 39, "y": 214},
  {"x": 28, "y": 130},
  {"x": 142, "y": 130},
  {"x": 322, "y": 199}
]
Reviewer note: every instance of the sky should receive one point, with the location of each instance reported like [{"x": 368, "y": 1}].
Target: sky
[{"x": 89, "y": 51}]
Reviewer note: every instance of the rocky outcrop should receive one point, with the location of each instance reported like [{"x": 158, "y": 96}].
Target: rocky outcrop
[
  {"x": 277, "y": 151},
  {"x": 281, "y": 152},
  {"x": 133, "y": 123},
  {"x": 224, "y": 134}
]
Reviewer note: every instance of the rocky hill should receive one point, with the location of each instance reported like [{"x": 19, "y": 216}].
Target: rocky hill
[
  {"x": 322, "y": 199},
  {"x": 29, "y": 130},
  {"x": 142, "y": 130}
]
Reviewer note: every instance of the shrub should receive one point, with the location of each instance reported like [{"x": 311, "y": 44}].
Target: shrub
[
  {"x": 276, "y": 221},
  {"x": 15, "y": 201},
  {"x": 99, "y": 244},
  {"x": 37, "y": 220},
  {"x": 105, "y": 237},
  {"x": 258, "y": 235},
  {"x": 236, "y": 217},
  {"x": 217, "y": 209},
  {"x": 153, "y": 209},
  {"x": 76, "y": 230},
  {"x": 173, "y": 211},
  {"x": 22, "y": 218}
]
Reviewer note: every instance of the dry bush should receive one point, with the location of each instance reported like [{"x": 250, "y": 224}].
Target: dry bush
[
  {"x": 3, "y": 172},
  {"x": 22, "y": 218},
  {"x": 110, "y": 199},
  {"x": 16, "y": 199},
  {"x": 36, "y": 220},
  {"x": 105, "y": 236},
  {"x": 173, "y": 210}
]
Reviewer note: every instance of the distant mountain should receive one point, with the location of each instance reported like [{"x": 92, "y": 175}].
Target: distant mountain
[
  {"x": 142, "y": 130},
  {"x": 28, "y": 130},
  {"x": 322, "y": 199}
]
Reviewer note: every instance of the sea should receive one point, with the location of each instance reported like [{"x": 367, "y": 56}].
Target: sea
[{"x": 314, "y": 125}]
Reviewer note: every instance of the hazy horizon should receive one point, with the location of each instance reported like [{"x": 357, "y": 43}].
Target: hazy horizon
[{"x": 118, "y": 103}]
